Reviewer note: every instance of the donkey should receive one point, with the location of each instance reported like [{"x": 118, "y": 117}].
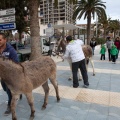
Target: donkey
[
  {"x": 87, "y": 52},
  {"x": 24, "y": 77}
]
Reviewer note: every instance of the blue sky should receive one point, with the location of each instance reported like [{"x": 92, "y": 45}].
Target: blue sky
[{"x": 112, "y": 10}]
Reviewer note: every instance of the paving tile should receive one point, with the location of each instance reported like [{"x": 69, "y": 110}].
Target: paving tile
[
  {"x": 114, "y": 111},
  {"x": 113, "y": 118},
  {"x": 3, "y": 107},
  {"x": 4, "y": 118},
  {"x": 61, "y": 112},
  {"x": 49, "y": 117},
  {"x": 104, "y": 88},
  {"x": 95, "y": 116},
  {"x": 99, "y": 109},
  {"x": 85, "y": 95},
  {"x": 115, "y": 99}
]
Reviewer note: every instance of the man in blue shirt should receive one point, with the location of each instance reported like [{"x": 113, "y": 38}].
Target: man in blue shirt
[{"x": 9, "y": 52}]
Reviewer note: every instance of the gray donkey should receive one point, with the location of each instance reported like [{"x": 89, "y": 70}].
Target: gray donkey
[
  {"x": 87, "y": 50},
  {"x": 23, "y": 78}
]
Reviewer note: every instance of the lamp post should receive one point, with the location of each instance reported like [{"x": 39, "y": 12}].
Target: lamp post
[{"x": 96, "y": 24}]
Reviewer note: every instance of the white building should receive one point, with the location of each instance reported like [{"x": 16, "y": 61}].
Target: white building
[{"x": 48, "y": 14}]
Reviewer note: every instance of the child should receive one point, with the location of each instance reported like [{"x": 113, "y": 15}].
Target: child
[
  {"x": 102, "y": 52},
  {"x": 113, "y": 52}
]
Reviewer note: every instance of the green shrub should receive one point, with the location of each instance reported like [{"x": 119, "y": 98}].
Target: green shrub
[{"x": 100, "y": 41}]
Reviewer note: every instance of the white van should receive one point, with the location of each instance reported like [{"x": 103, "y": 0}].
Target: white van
[{"x": 47, "y": 45}]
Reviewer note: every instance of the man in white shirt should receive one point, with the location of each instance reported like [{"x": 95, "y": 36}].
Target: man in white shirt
[{"x": 75, "y": 52}]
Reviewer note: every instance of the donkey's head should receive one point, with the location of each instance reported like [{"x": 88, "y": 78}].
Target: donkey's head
[{"x": 61, "y": 46}]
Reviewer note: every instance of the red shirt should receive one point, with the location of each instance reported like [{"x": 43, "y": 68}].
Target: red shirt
[{"x": 117, "y": 44}]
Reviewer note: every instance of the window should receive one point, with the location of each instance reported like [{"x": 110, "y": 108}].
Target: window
[{"x": 43, "y": 31}]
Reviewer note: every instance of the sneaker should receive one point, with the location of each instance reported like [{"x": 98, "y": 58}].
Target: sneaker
[
  {"x": 85, "y": 86},
  {"x": 8, "y": 111},
  {"x": 75, "y": 86},
  {"x": 6, "y": 102},
  {"x": 69, "y": 78}
]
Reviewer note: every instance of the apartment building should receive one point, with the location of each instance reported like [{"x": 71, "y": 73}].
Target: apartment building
[{"x": 48, "y": 14}]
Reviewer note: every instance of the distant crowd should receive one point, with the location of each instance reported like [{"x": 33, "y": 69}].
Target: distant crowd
[{"x": 113, "y": 47}]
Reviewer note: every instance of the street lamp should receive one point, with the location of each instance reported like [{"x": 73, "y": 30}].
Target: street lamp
[{"x": 96, "y": 24}]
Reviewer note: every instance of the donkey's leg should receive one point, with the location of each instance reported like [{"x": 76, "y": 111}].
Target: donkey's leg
[
  {"x": 46, "y": 90},
  {"x": 55, "y": 84},
  {"x": 30, "y": 102},
  {"x": 79, "y": 75},
  {"x": 79, "y": 72},
  {"x": 70, "y": 64},
  {"x": 92, "y": 64},
  {"x": 13, "y": 106}
]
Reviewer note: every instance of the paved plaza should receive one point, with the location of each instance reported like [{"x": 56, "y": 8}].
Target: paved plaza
[{"x": 101, "y": 101}]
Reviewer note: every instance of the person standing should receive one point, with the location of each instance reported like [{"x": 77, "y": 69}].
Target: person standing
[
  {"x": 75, "y": 52},
  {"x": 109, "y": 44},
  {"x": 9, "y": 52},
  {"x": 93, "y": 44},
  {"x": 102, "y": 52},
  {"x": 117, "y": 44},
  {"x": 113, "y": 52}
]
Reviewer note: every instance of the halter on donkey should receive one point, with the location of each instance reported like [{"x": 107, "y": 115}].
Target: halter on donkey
[{"x": 87, "y": 52}]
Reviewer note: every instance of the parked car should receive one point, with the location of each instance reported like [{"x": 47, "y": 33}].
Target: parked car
[{"x": 19, "y": 45}]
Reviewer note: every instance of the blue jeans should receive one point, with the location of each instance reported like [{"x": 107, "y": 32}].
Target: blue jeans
[{"x": 5, "y": 88}]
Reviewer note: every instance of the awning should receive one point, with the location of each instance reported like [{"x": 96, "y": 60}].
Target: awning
[{"x": 66, "y": 27}]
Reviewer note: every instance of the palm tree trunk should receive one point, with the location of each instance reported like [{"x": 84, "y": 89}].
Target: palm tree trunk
[
  {"x": 114, "y": 34},
  {"x": 34, "y": 29},
  {"x": 88, "y": 28},
  {"x": 104, "y": 33}
]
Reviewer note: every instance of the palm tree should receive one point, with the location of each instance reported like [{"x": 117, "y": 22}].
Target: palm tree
[
  {"x": 113, "y": 26},
  {"x": 33, "y": 6},
  {"x": 34, "y": 26},
  {"x": 104, "y": 22},
  {"x": 88, "y": 8}
]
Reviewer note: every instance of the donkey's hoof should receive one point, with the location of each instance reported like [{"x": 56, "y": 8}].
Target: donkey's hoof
[
  {"x": 32, "y": 114},
  {"x": 58, "y": 99},
  {"x": 32, "y": 117},
  {"x": 80, "y": 79},
  {"x": 93, "y": 74},
  {"x": 69, "y": 78},
  {"x": 43, "y": 108},
  {"x": 14, "y": 118}
]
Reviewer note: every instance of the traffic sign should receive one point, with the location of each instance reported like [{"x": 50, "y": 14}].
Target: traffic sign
[
  {"x": 7, "y": 19},
  {"x": 49, "y": 25},
  {"x": 49, "y": 31},
  {"x": 7, "y": 12},
  {"x": 7, "y": 26}
]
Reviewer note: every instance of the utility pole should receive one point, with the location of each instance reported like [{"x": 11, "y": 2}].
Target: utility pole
[{"x": 96, "y": 25}]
